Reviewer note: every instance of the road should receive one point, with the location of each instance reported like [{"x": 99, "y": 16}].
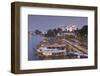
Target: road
[{"x": 75, "y": 45}]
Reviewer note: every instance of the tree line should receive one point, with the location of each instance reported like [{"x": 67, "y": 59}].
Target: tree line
[{"x": 53, "y": 32}]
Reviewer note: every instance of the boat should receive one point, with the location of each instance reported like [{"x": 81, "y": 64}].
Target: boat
[
  {"x": 45, "y": 52},
  {"x": 76, "y": 54}
]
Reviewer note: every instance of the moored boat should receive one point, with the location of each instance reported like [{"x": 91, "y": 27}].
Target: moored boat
[{"x": 45, "y": 52}]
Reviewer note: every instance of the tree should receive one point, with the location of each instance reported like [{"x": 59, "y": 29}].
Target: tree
[
  {"x": 59, "y": 30},
  {"x": 37, "y": 32},
  {"x": 55, "y": 31},
  {"x": 76, "y": 31},
  {"x": 50, "y": 33},
  {"x": 84, "y": 30}
]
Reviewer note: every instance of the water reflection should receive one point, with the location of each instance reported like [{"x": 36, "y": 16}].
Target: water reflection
[{"x": 33, "y": 41}]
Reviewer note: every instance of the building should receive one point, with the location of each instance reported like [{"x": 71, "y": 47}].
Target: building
[{"x": 70, "y": 28}]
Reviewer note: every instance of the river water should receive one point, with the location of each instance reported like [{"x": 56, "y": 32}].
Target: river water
[{"x": 33, "y": 41}]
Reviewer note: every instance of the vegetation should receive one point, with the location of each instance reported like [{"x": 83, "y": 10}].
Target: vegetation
[
  {"x": 83, "y": 32},
  {"x": 80, "y": 34},
  {"x": 37, "y": 32},
  {"x": 50, "y": 33},
  {"x": 53, "y": 32},
  {"x": 69, "y": 37}
]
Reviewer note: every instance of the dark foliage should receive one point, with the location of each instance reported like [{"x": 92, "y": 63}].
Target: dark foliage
[{"x": 37, "y": 32}]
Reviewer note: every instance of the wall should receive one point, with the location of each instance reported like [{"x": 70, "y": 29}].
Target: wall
[{"x": 5, "y": 33}]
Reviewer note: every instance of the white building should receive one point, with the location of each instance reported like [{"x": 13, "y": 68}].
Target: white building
[
  {"x": 72, "y": 28},
  {"x": 69, "y": 28}
]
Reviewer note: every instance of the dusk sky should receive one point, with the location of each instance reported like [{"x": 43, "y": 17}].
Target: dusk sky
[{"x": 43, "y": 22}]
